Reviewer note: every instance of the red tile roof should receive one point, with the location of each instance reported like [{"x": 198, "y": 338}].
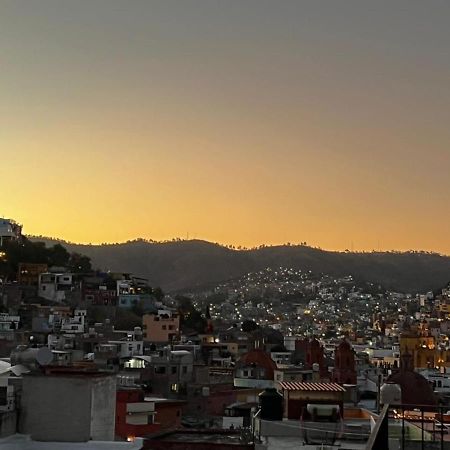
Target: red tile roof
[
  {"x": 321, "y": 387},
  {"x": 260, "y": 358}
]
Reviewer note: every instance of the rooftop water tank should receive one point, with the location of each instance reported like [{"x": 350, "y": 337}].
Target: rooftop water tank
[
  {"x": 31, "y": 357},
  {"x": 271, "y": 405}
]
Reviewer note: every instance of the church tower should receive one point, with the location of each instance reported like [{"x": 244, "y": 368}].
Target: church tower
[{"x": 344, "y": 371}]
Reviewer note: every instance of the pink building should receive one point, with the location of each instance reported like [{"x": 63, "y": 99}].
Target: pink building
[{"x": 161, "y": 327}]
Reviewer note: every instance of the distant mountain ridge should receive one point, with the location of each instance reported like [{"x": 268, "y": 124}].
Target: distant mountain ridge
[{"x": 178, "y": 265}]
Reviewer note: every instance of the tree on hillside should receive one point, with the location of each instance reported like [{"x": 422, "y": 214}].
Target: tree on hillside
[
  {"x": 158, "y": 294},
  {"x": 79, "y": 263},
  {"x": 249, "y": 325},
  {"x": 27, "y": 251},
  {"x": 190, "y": 317},
  {"x": 126, "y": 320},
  {"x": 58, "y": 256}
]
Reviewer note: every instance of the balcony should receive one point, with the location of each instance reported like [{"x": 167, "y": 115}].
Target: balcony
[{"x": 253, "y": 383}]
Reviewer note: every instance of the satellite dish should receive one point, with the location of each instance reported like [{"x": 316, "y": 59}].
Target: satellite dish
[{"x": 44, "y": 356}]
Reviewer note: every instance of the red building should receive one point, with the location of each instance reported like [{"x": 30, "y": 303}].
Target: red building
[
  {"x": 254, "y": 369},
  {"x": 140, "y": 416},
  {"x": 344, "y": 371},
  {"x": 298, "y": 395},
  {"x": 313, "y": 353},
  {"x": 100, "y": 297}
]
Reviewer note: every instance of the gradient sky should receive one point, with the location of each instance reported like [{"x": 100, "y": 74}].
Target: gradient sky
[{"x": 241, "y": 122}]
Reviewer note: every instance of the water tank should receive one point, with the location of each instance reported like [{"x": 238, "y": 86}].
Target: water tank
[
  {"x": 391, "y": 393},
  {"x": 31, "y": 357},
  {"x": 271, "y": 405},
  {"x": 322, "y": 411}
]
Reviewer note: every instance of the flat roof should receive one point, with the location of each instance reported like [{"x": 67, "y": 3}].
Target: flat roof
[
  {"x": 22, "y": 441},
  {"x": 227, "y": 437},
  {"x": 69, "y": 371}
]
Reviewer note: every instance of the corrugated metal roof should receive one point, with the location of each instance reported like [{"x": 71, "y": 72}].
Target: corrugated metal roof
[{"x": 322, "y": 387}]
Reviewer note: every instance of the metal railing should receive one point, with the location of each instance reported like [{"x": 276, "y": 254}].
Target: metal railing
[{"x": 415, "y": 427}]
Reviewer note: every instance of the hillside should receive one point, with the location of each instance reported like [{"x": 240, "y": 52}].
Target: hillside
[{"x": 189, "y": 264}]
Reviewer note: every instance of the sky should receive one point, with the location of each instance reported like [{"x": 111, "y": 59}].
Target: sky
[{"x": 240, "y": 122}]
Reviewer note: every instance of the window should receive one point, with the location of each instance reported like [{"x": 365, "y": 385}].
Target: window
[
  {"x": 144, "y": 335},
  {"x": 171, "y": 327},
  {"x": 160, "y": 370},
  {"x": 174, "y": 370},
  {"x": 3, "y": 396},
  {"x": 184, "y": 369},
  {"x": 144, "y": 327},
  {"x": 164, "y": 327},
  {"x": 150, "y": 419}
]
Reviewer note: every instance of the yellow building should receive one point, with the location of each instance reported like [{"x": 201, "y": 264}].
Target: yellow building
[{"x": 425, "y": 353}]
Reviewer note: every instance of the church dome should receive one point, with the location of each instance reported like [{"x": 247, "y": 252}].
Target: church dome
[{"x": 416, "y": 390}]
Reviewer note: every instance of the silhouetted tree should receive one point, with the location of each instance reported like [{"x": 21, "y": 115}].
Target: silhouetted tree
[
  {"x": 58, "y": 256},
  {"x": 158, "y": 294},
  {"x": 249, "y": 325},
  {"x": 126, "y": 319},
  {"x": 190, "y": 317},
  {"x": 79, "y": 263}
]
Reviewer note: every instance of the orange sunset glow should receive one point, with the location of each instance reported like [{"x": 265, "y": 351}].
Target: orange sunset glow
[{"x": 267, "y": 122}]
